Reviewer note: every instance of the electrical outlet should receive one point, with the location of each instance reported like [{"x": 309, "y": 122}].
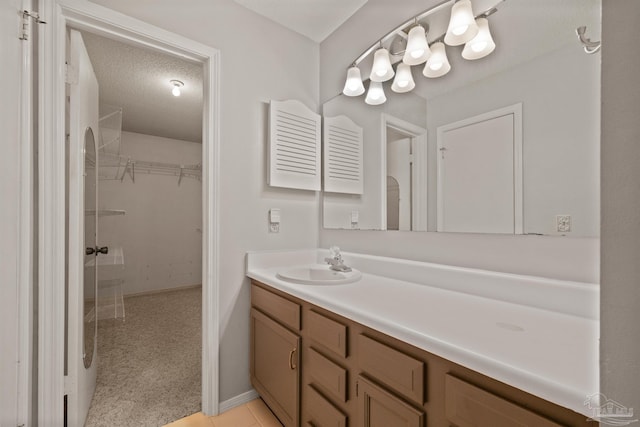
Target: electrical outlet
[
  {"x": 563, "y": 223},
  {"x": 274, "y": 227}
]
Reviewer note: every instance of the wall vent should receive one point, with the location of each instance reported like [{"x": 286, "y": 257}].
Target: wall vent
[
  {"x": 342, "y": 156},
  {"x": 294, "y": 140}
]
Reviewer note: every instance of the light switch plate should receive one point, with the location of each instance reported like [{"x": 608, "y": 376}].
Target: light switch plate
[{"x": 274, "y": 220}]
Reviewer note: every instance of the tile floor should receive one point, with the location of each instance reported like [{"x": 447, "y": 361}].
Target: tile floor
[{"x": 252, "y": 414}]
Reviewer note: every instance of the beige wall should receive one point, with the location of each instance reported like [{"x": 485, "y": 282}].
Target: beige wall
[
  {"x": 260, "y": 61},
  {"x": 620, "y": 291}
]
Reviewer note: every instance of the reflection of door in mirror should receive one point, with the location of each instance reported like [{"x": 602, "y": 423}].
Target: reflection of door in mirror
[
  {"x": 90, "y": 243},
  {"x": 480, "y": 173}
]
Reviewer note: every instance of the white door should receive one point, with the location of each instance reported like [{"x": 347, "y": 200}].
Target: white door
[
  {"x": 479, "y": 174},
  {"x": 83, "y": 225}
]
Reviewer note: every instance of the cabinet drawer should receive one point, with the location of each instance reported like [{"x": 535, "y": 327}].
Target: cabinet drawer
[
  {"x": 323, "y": 413},
  {"x": 402, "y": 373},
  {"x": 329, "y": 333},
  {"x": 377, "y": 407},
  {"x": 285, "y": 311},
  {"x": 328, "y": 375},
  {"x": 469, "y": 406}
]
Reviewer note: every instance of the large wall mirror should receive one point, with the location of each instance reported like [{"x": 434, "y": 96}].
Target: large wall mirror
[{"x": 506, "y": 144}]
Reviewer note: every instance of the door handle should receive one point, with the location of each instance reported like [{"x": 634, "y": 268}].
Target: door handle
[
  {"x": 103, "y": 250},
  {"x": 291, "y": 365}
]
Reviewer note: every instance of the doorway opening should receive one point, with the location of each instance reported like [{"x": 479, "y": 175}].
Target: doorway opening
[
  {"x": 54, "y": 387},
  {"x": 404, "y": 206},
  {"x": 142, "y": 281}
]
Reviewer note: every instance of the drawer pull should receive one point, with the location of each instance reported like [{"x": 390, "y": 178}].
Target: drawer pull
[{"x": 291, "y": 365}]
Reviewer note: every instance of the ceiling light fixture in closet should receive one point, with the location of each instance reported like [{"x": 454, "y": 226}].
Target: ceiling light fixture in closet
[
  {"x": 177, "y": 85},
  {"x": 463, "y": 29}
]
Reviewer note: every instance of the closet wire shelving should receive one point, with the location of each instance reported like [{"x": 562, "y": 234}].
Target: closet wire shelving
[{"x": 116, "y": 166}]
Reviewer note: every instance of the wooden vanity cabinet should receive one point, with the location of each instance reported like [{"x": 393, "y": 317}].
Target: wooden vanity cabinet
[
  {"x": 349, "y": 375},
  {"x": 275, "y": 354},
  {"x": 378, "y": 407}
]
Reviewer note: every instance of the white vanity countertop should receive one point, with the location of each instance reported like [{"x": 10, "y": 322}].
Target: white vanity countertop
[{"x": 547, "y": 353}]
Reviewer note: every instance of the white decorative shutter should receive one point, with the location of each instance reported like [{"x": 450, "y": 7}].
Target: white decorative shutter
[
  {"x": 342, "y": 156},
  {"x": 294, "y": 160}
]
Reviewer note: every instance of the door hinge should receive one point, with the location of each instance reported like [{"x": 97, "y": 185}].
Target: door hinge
[
  {"x": 27, "y": 15},
  {"x": 357, "y": 384}
]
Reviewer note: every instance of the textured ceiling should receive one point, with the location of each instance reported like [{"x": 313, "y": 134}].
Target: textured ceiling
[
  {"x": 137, "y": 80},
  {"x": 315, "y": 19}
]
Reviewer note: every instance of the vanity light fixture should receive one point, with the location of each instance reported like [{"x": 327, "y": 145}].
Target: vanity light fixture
[
  {"x": 438, "y": 63},
  {"x": 417, "y": 51},
  {"x": 463, "y": 28},
  {"x": 177, "y": 85},
  {"x": 382, "y": 69},
  {"x": 353, "y": 86},
  {"x": 404, "y": 79},
  {"x": 375, "y": 95},
  {"x": 482, "y": 44},
  {"x": 462, "y": 24}
]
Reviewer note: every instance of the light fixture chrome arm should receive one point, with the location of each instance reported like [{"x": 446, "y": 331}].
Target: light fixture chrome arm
[{"x": 401, "y": 27}]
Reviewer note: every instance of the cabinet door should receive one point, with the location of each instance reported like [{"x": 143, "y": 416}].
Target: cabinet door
[
  {"x": 379, "y": 408},
  {"x": 274, "y": 368}
]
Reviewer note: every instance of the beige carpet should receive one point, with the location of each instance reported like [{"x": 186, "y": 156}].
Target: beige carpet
[{"x": 149, "y": 366}]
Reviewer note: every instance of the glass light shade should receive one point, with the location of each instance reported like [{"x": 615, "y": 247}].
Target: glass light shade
[
  {"x": 462, "y": 25},
  {"x": 404, "y": 79},
  {"x": 482, "y": 44},
  {"x": 175, "y": 91},
  {"x": 438, "y": 63},
  {"x": 382, "y": 69},
  {"x": 417, "y": 51},
  {"x": 353, "y": 86},
  {"x": 375, "y": 95}
]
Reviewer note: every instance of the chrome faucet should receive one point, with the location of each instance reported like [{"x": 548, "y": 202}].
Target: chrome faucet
[{"x": 335, "y": 260}]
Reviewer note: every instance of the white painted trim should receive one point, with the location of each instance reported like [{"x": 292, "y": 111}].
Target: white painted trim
[
  {"x": 420, "y": 185},
  {"x": 518, "y": 196},
  {"x": 419, "y": 141},
  {"x": 25, "y": 243},
  {"x": 382, "y": 186},
  {"x": 51, "y": 215},
  {"x": 100, "y": 20},
  {"x": 240, "y": 399}
]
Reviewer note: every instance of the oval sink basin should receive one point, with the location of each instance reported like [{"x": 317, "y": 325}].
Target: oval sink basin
[{"x": 318, "y": 275}]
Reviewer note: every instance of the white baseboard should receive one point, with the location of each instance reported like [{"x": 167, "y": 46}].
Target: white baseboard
[{"x": 240, "y": 399}]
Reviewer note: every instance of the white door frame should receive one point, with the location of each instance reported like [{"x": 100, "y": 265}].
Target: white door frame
[
  {"x": 518, "y": 197},
  {"x": 88, "y": 16},
  {"x": 418, "y": 137},
  {"x": 24, "y": 351}
]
